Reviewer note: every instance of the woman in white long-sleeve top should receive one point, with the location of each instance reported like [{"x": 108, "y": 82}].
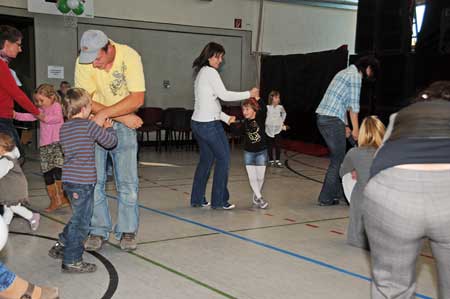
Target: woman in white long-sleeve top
[{"x": 208, "y": 130}]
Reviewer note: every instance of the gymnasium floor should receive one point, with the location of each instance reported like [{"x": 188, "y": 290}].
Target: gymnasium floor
[{"x": 294, "y": 249}]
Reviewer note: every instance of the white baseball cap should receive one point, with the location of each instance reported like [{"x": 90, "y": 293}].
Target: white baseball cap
[{"x": 91, "y": 42}]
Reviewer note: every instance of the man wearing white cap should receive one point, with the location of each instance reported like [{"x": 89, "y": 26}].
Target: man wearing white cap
[{"x": 113, "y": 74}]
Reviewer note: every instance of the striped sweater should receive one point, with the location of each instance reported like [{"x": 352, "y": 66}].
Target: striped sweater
[{"x": 77, "y": 138}]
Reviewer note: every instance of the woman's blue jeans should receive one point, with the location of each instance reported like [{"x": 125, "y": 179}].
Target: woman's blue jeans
[{"x": 213, "y": 144}]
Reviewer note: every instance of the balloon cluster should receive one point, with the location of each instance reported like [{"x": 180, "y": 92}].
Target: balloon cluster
[{"x": 65, "y": 6}]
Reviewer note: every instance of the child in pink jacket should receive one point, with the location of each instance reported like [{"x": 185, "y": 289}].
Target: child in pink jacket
[{"x": 49, "y": 103}]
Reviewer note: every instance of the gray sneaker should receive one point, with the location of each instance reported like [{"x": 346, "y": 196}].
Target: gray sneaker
[
  {"x": 262, "y": 203},
  {"x": 94, "y": 243},
  {"x": 278, "y": 164},
  {"x": 79, "y": 267},
  {"x": 128, "y": 242}
]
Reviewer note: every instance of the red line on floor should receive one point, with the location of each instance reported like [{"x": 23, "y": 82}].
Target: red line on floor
[
  {"x": 428, "y": 256},
  {"x": 336, "y": 232},
  {"x": 312, "y": 225},
  {"x": 187, "y": 193},
  {"x": 267, "y": 214},
  {"x": 290, "y": 220}
]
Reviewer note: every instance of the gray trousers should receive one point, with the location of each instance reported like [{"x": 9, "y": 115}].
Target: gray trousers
[{"x": 402, "y": 208}]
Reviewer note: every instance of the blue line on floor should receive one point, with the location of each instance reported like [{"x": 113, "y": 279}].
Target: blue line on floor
[{"x": 277, "y": 249}]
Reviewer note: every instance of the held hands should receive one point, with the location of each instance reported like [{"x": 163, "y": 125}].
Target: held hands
[
  {"x": 132, "y": 121},
  {"x": 254, "y": 93},
  {"x": 41, "y": 116},
  {"x": 355, "y": 134},
  {"x": 348, "y": 132},
  {"x": 108, "y": 123},
  {"x": 284, "y": 127},
  {"x": 231, "y": 120},
  {"x": 99, "y": 118}
]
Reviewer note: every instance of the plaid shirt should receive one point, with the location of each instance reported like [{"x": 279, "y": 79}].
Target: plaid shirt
[{"x": 342, "y": 94}]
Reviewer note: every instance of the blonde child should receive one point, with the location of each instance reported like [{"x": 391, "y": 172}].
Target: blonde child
[
  {"x": 13, "y": 184},
  {"x": 49, "y": 103},
  {"x": 78, "y": 138},
  {"x": 357, "y": 162},
  {"x": 274, "y": 125}
]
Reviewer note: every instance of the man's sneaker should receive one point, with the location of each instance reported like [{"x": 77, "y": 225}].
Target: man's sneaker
[
  {"x": 79, "y": 267},
  {"x": 93, "y": 243},
  {"x": 57, "y": 251},
  {"x": 128, "y": 242},
  {"x": 262, "y": 203},
  {"x": 229, "y": 206},
  {"x": 34, "y": 221},
  {"x": 278, "y": 164},
  {"x": 271, "y": 163},
  {"x": 331, "y": 203}
]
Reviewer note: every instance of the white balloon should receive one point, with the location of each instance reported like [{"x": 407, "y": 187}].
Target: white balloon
[
  {"x": 3, "y": 233},
  {"x": 73, "y": 3}
]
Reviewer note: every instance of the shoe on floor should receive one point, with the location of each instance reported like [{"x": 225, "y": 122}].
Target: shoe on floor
[
  {"x": 332, "y": 203},
  {"x": 262, "y": 203},
  {"x": 204, "y": 204},
  {"x": 278, "y": 164},
  {"x": 79, "y": 267},
  {"x": 271, "y": 163},
  {"x": 93, "y": 243},
  {"x": 57, "y": 251},
  {"x": 229, "y": 206},
  {"x": 34, "y": 221},
  {"x": 128, "y": 242}
]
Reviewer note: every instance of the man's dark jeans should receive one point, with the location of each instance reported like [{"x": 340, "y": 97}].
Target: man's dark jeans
[{"x": 333, "y": 132}]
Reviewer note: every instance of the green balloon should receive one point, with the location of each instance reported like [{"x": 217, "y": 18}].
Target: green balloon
[
  {"x": 63, "y": 7},
  {"x": 79, "y": 10}
]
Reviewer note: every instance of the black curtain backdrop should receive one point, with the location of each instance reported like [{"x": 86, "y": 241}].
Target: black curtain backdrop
[{"x": 302, "y": 80}]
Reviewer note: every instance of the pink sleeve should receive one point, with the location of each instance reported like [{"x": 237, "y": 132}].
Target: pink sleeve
[
  {"x": 54, "y": 115},
  {"x": 24, "y": 116}
]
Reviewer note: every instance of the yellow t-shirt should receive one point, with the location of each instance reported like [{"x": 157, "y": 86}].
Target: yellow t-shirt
[{"x": 110, "y": 87}]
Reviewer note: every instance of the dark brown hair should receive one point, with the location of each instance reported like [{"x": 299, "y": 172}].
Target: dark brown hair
[
  {"x": 210, "y": 50},
  {"x": 9, "y": 33}
]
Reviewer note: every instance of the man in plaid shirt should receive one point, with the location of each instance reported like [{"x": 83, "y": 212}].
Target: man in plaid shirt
[{"x": 341, "y": 96}]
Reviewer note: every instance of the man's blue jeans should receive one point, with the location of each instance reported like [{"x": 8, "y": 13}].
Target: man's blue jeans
[
  {"x": 333, "y": 132},
  {"x": 213, "y": 144},
  {"x": 81, "y": 198},
  {"x": 7, "y": 277},
  {"x": 124, "y": 158}
]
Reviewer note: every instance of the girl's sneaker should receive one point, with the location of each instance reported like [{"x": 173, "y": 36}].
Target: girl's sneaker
[
  {"x": 262, "y": 203},
  {"x": 278, "y": 164},
  {"x": 271, "y": 163},
  {"x": 255, "y": 200},
  {"x": 34, "y": 221}
]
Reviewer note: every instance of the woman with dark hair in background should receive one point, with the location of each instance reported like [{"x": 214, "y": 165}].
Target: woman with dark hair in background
[
  {"x": 10, "y": 47},
  {"x": 407, "y": 198},
  {"x": 208, "y": 130}
]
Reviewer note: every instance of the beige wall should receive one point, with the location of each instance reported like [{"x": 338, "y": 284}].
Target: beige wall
[{"x": 287, "y": 28}]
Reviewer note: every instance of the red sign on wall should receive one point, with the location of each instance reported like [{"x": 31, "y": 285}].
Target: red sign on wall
[{"x": 237, "y": 23}]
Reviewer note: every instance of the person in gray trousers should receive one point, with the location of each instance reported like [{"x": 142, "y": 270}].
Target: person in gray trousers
[{"x": 407, "y": 198}]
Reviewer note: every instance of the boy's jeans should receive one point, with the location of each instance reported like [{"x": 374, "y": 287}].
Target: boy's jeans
[
  {"x": 7, "y": 277},
  {"x": 81, "y": 198}
]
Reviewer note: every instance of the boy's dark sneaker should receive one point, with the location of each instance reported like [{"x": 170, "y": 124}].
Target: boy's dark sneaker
[
  {"x": 128, "y": 242},
  {"x": 57, "y": 251},
  {"x": 79, "y": 267}
]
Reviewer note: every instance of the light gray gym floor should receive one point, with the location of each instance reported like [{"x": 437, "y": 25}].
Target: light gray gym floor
[{"x": 294, "y": 249}]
